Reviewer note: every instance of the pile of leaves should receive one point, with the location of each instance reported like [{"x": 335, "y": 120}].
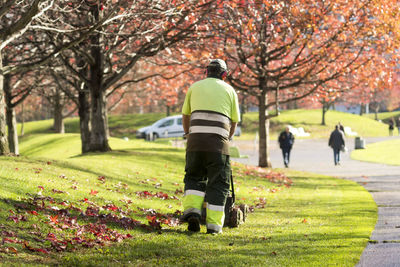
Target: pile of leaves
[
  {"x": 272, "y": 176},
  {"x": 66, "y": 226}
]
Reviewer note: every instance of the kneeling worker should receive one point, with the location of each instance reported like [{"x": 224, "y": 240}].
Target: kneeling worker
[{"x": 210, "y": 114}]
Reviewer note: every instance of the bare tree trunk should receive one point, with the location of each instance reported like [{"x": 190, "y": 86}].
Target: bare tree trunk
[
  {"x": 11, "y": 121},
  {"x": 22, "y": 119},
  {"x": 84, "y": 118},
  {"x": 58, "y": 120},
  {"x": 376, "y": 110},
  {"x": 263, "y": 125},
  {"x": 58, "y": 123},
  {"x": 12, "y": 130},
  {"x": 242, "y": 109},
  {"x": 99, "y": 122},
  {"x": 4, "y": 149},
  {"x": 362, "y": 107},
  {"x": 324, "y": 110}
]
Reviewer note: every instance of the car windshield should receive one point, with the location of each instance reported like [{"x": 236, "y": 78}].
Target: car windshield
[{"x": 166, "y": 123}]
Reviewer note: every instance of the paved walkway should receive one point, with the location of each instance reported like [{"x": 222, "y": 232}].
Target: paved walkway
[{"x": 382, "y": 181}]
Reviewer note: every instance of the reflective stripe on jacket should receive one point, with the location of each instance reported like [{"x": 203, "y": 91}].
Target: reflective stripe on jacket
[{"x": 209, "y": 131}]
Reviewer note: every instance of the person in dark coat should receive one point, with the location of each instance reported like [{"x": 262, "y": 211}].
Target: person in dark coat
[
  {"x": 341, "y": 127},
  {"x": 336, "y": 142},
  {"x": 398, "y": 125},
  {"x": 286, "y": 140},
  {"x": 391, "y": 127}
]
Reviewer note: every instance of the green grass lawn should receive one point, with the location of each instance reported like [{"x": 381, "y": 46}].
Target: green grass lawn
[
  {"x": 384, "y": 116},
  {"x": 54, "y": 204},
  {"x": 386, "y": 152},
  {"x": 310, "y": 120},
  {"x": 120, "y": 125}
]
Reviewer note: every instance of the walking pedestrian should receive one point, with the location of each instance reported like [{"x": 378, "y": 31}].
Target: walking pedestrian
[
  {"x": 286, "y": 141},
  {"x": 336, "y": 142},
  {"x": 391, "y": 126},
  {"x": 341, "y": 127},
  {"x": 210, "y": 114},
  {"x": 398, "y": 125}
]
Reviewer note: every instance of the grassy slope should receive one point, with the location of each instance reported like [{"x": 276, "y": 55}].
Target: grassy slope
[
  {"x": 384, "y": 116},
  {"x": 318, "y": 221},
  {"x": 310, "y": 120},
  {"x": 120, "y": 125},
  {"x": 386, "y": 152}
]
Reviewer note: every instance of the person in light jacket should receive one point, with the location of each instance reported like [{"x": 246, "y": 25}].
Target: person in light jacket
[{"x": 336, "y": 142}]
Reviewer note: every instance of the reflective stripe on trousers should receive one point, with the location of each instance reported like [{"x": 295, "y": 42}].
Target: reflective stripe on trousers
[
  {"x": 193, "y": 201},
  {"x": 215, "y": 217}
]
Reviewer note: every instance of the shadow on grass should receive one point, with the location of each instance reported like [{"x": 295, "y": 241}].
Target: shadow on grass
[
  {"x": 233, "y": 250},
  {"x": 133, "y": 151}
]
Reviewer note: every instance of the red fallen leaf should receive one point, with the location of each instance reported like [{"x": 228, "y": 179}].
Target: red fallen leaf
[
  {"x": 33, "y": 212},
  {"x": 42, "y": 250},
  {"x": 41, "y": 187},
  {"x": 16, "y": 169},
  {"x": 162, "y": 195},
  {"x": 51, "y": 236},
  {"x": 273, "y": 253},
  {"x": 57, "y": 191},
  {"x": 17, "y": 218},
  {"x": 54, "y": 219},
  {"x": 49, "y": 163},
  {"x": 92, "y": 211},
  {"x": 11, "y": 211},
  {"x": 8, "y": 240},
  {"x": 304, "y": 221},
  {"x": 102, "y": 179},
  {"x": 153, "y": 222},
  {"x": 178, "y": 191},
  {"x": 12, "y": 249},
  {"x": 8, "y": 233},
  {"x": 30, "y": 248},
  {"x": 111, "y": 207},
  {"x": 27, "y": 246},
  {"x": 93, "y": 192}
]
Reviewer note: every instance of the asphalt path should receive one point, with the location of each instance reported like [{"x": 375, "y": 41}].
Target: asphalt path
[{"x": 382, "y": 181}]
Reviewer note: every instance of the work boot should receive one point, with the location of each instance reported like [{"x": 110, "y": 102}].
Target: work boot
[
  {"x": 194, "y": 223},
  {"x": 213, "y": 232}
]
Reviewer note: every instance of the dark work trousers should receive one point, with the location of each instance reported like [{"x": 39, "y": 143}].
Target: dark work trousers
[
  {"x": 208, "y": 172},
  {"x": 336, "y": 156},
  {"x": 286, "y": 155}
]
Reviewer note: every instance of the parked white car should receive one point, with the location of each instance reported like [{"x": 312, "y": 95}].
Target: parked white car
[{"x": 167, "y": 127}]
